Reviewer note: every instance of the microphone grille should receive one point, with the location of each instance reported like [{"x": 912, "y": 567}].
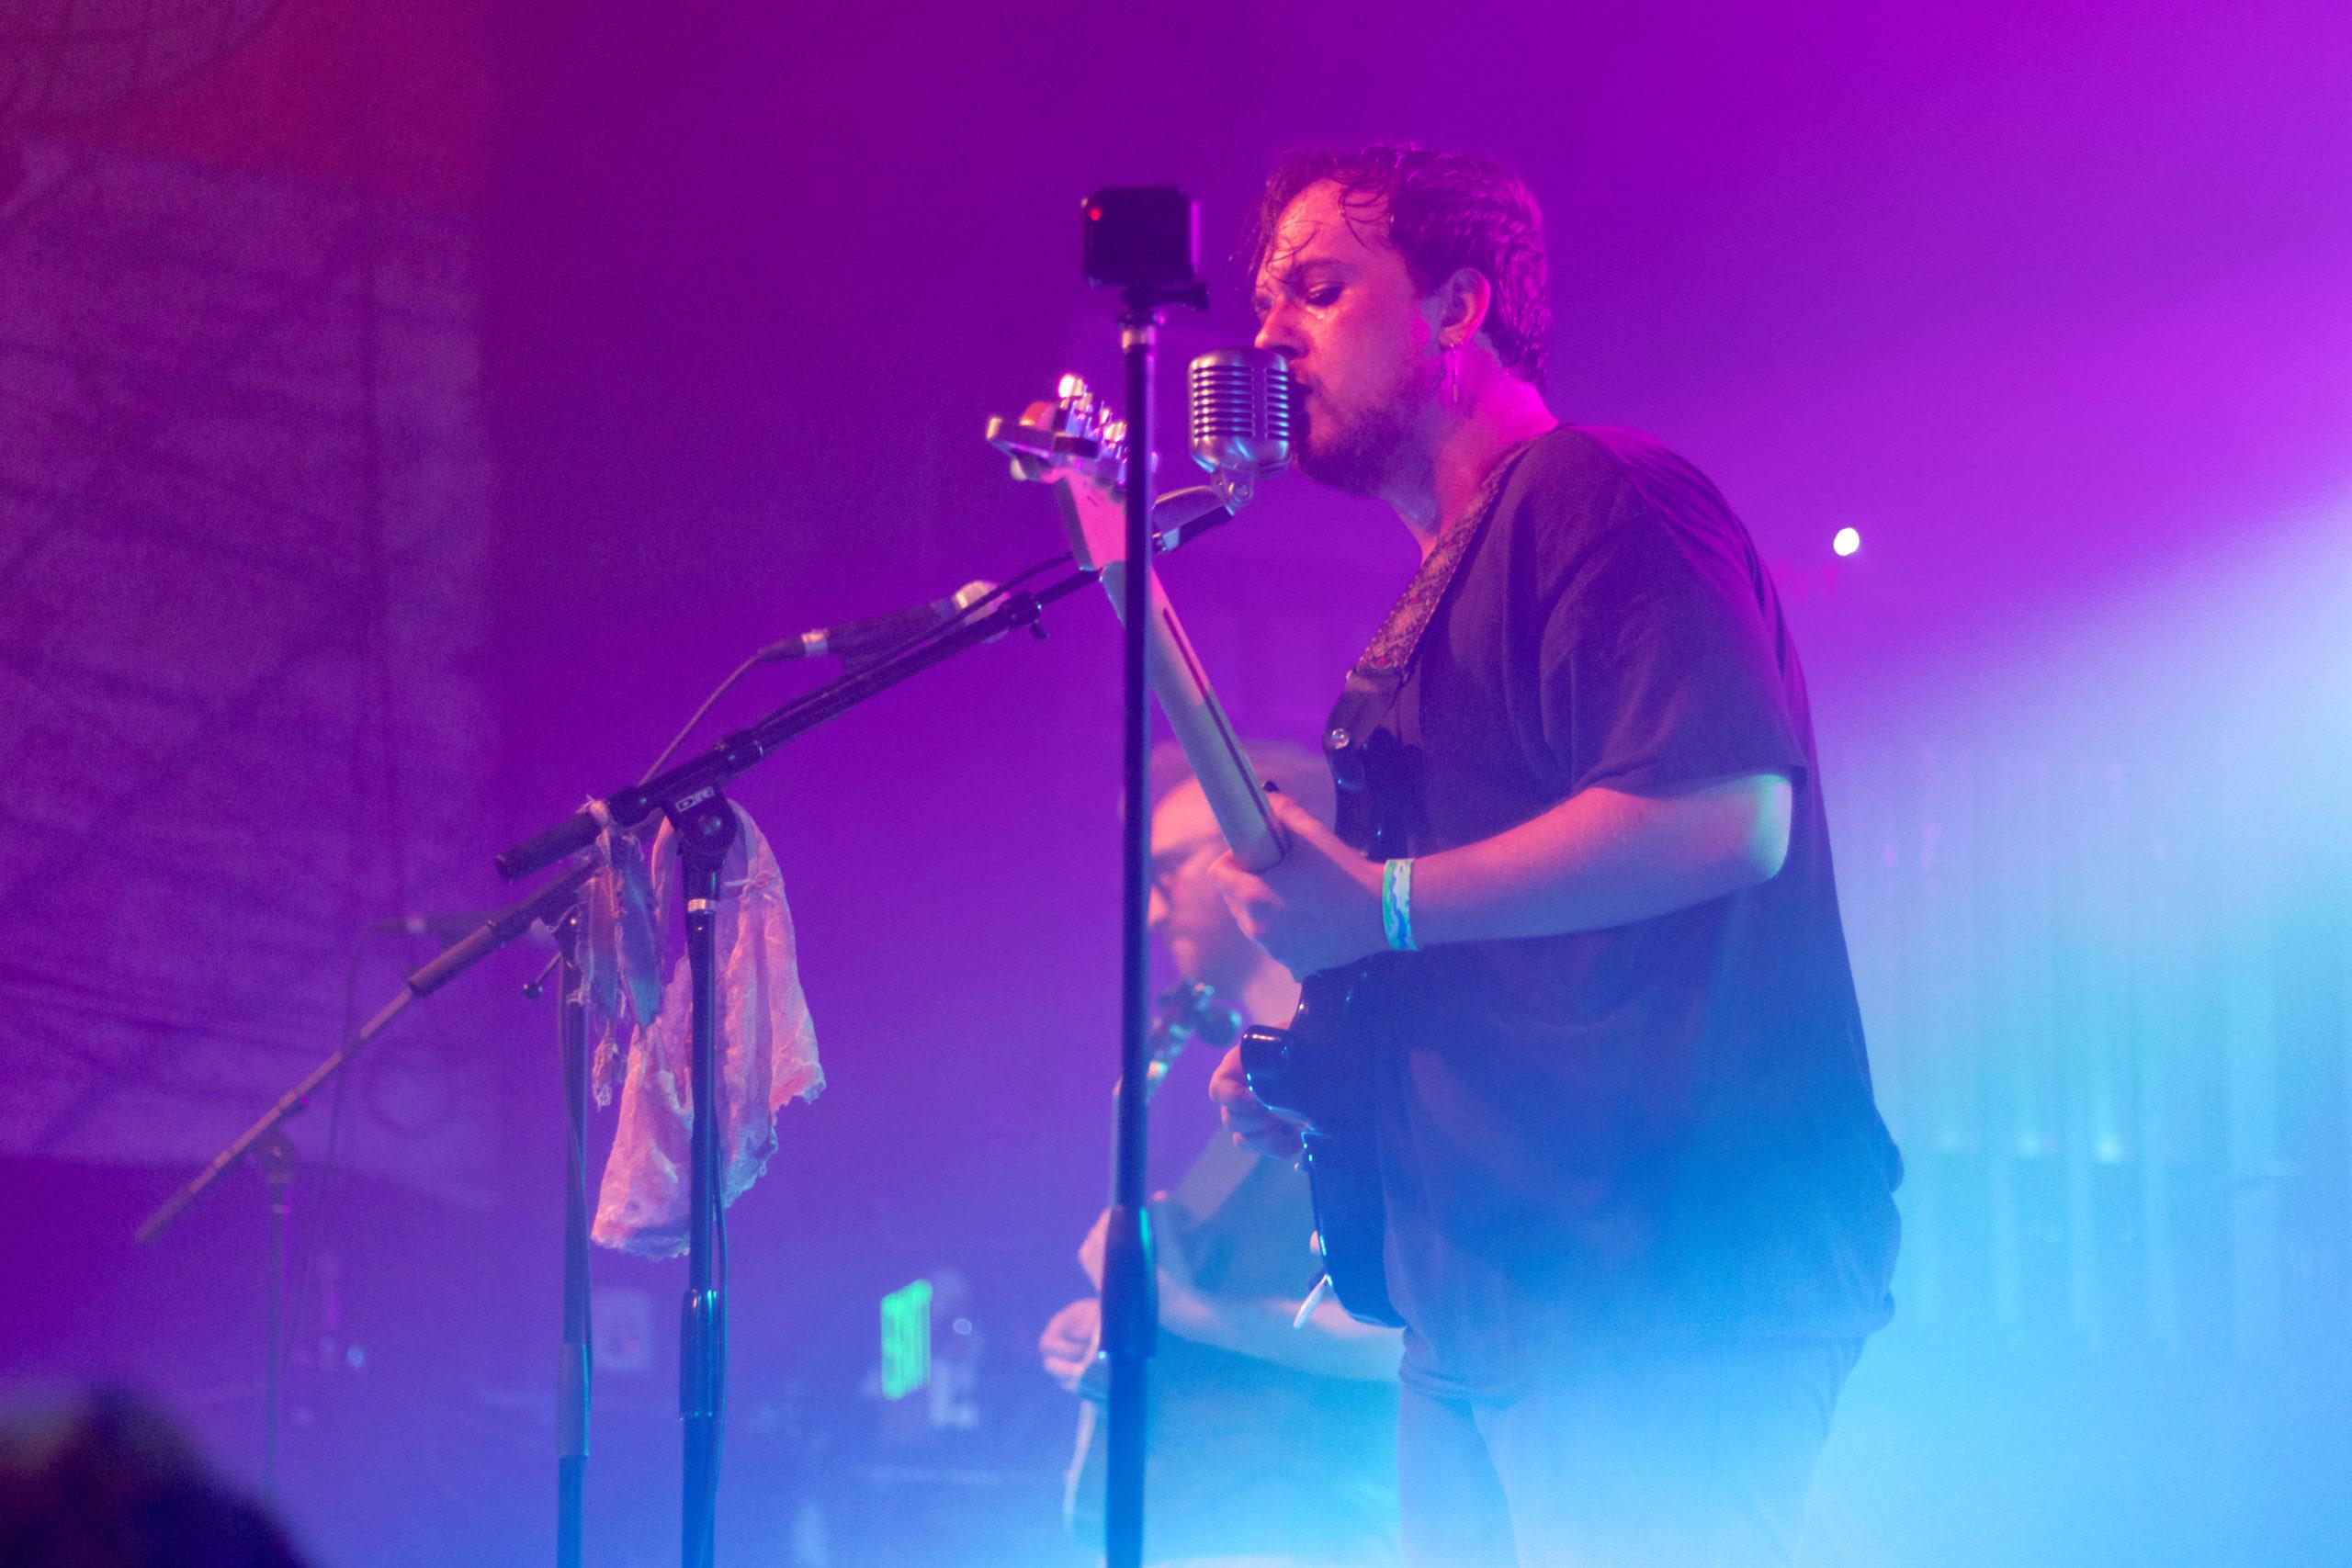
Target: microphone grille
[{"x": 1243, "y": 407}]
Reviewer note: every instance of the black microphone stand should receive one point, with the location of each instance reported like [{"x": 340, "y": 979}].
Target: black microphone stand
[
  {"x": 575, "y": 1371},
  {"x": 279, "y": 1161},
  {"x": 495, "y": 933},
  {"x": 1130, "y": 1297},
  {"x": 737, "y": 753},
  {"x": 266, "y": 1142},
  {"x": 689, "y": 795},
  {"x": 705, "y": 824},
  {"x": 1130, "y": 1301}
]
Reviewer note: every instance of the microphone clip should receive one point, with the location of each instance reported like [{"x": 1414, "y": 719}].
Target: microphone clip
[{"x": 1234, "y": 487}]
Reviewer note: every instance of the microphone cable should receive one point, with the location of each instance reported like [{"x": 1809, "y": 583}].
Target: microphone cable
[
  {"x": 921, "y": 640},
  {"x": 688, "y": 728}
]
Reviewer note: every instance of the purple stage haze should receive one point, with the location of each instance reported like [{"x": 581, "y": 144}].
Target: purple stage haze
[{"x": 401, "y": 430}]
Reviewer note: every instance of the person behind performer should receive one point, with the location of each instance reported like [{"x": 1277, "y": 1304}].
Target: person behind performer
[
  {"x": 1269, "y": 1443},
  {"x": 1639, "y": 1214}
]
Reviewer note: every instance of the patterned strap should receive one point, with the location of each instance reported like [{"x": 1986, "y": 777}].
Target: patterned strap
[
  {"x": 1374, "y": 802},
  {"x": 1392, "y": 647}
]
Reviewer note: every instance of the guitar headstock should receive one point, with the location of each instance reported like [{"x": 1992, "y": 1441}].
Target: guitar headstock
[
  {"x": 1076, "y": 435},
  {"x": 1079, "y": 446}
]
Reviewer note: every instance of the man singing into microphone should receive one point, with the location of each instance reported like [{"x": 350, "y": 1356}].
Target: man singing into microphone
[{"x": 1639, "y": 1199}]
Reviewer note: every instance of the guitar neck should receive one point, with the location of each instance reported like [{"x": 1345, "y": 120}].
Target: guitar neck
[
  {"x": 1182, "y": 685},
  {"x": 1064, "y": 446}
]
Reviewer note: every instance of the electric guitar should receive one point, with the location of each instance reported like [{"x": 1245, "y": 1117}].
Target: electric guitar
[{"x": 1308, "y": 1072}]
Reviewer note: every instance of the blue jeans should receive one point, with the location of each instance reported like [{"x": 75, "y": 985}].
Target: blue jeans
[{"x": 1690, "y": 1458}]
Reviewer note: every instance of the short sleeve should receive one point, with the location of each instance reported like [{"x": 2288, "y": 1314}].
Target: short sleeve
[{"x": 1660, "y": 664}]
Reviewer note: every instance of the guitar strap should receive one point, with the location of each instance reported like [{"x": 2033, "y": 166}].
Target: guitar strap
[{"x": 1352, "y": 736}]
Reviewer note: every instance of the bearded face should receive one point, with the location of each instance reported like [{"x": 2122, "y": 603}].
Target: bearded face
[{"x": 1337, "y": 302}]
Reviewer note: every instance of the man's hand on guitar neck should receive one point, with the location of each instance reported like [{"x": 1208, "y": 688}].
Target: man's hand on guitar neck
[
  {"x": 1253, "y": 1126},
  {"x": 1317, "y": 909}
]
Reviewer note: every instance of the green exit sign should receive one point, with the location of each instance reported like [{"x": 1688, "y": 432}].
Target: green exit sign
[{"x": 906, "y": 1339}]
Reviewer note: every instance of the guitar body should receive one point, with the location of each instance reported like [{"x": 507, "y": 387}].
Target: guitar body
[{"x": 1315, "y": 1074}]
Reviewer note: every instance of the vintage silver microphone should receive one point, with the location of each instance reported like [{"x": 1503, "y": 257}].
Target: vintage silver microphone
[{"x": 1244, "y": 414}]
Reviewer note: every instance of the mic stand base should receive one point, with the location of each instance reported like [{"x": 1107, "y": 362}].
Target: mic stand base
[
  {"x": 1130, "y": 1313},
  {"x": 705, "y": 829},
  {"x": 576, "y": 1370},
  {"x": 278, "y": 1159}
]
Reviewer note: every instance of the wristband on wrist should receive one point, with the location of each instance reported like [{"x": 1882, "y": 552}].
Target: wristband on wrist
[{"x": 1396, "y": 905}]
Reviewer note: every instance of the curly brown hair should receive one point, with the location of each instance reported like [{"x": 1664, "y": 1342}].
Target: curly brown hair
[{"x": 1442, "y": 210}]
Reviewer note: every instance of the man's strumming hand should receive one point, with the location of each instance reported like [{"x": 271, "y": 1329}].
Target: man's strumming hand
[
  {"x": 1253, "y": 1126},
  {"x": 1317, "y": 909}
]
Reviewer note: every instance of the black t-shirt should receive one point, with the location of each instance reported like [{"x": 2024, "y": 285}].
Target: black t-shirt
[{"x": 1654, "y": 1134}]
